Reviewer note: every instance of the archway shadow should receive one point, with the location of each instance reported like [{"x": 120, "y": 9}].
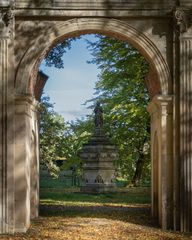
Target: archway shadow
[
  {"x": 136, "y": 214},
  {"x": 113, "y": 206}
]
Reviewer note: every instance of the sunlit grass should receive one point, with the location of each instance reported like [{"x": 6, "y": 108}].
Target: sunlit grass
[{"x": 73, "y": 196}]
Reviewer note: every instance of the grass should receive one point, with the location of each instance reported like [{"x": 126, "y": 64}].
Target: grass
[
  {"x": 73, "y": 196},
  {"x": 48, "y": 182},
  {"x": 70, "y": 202},
  {"x": 54, "y": 191}
]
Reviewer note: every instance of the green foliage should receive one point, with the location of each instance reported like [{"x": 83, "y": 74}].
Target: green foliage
[
  {"x": 60, "y": 140},
  {"x": 52, "y": 127},
  {"x": 121, "y": 89},
  {"x": 55, "y": 56},
  {"x": 76, "y": 135}
]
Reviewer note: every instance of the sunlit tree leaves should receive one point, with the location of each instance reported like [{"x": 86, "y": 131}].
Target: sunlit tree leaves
[{"x": 121, "y": 88}]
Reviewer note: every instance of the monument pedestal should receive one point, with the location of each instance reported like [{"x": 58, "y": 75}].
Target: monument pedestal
[{"x": 98, "y": 157}]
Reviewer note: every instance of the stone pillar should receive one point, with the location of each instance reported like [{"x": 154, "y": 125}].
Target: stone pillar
[
  {"x": 176, "y": 131},
  {"x": 34, "y": 172},
  {"x": 184, "y": 22},
  {"x": 26, "y": 185},
  {"x": 6, "y": 121},
  {"x": 155, "y": 179},
  {"x": 162, "y": 134}
]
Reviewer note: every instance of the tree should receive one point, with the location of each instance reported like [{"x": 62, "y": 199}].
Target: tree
[
  {"x": 54, "y": 57},
  {"x": 60, "y": 140},
  {"x": 52, "y": 127},
  {"x": 76, "y": 134},
  {"x": 121, "y": 89}
]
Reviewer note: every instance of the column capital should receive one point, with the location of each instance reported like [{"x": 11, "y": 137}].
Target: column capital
[
  {"x": 183, "y": 17},
  {"x": 161, "y": 102},
  {"x": 7, "y": 20},
  {"x": 28, "y": 102}
]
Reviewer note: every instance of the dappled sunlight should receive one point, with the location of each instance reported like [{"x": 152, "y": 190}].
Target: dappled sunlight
[
  {"x": 136, "y": 213},
  {"x": 93, "y": 228}
]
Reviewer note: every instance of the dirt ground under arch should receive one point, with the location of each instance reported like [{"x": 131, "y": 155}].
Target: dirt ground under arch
[{"x": 96, "y": 223}]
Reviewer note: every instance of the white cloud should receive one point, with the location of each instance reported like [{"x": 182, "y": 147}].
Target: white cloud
[
  {"x": 73, "y": 78},
  {"x": 70, "y": 103}
]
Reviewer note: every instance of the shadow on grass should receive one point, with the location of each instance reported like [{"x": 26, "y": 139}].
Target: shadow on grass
[
  {"x": 137, "y": 214},
  {"x": 127, "y": 204}
]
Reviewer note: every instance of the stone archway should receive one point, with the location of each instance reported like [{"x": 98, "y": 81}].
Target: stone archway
[
  {"x": 59, "y": 31},
  {"x": 160, "y": 30},
  {"x": 27, "y": 72}
]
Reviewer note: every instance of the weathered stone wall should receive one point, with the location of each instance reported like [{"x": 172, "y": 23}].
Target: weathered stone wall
[
  {"x": 99, "y": 4},
  {"x": 39, "y": 36}
]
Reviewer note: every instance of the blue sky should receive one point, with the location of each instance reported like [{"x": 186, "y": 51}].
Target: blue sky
[{"x": 70, "y": 87}]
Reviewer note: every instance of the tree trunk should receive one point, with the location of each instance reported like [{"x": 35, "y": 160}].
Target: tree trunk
[
  {"x": 139, "y": 169},
  {"x": 140, "y": 163}
]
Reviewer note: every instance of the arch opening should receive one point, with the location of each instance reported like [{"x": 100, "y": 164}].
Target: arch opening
[{"x": 134, "y": 100}]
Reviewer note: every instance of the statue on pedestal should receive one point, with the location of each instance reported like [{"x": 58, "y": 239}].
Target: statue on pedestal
[
  {"x": 98, "y": 115},
  {"x": 98, "y": 156}
]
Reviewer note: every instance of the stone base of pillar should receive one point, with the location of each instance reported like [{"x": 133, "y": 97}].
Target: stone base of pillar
[
  {"x": 21, "y": 229},
  {"x": 98, "y": 188}
]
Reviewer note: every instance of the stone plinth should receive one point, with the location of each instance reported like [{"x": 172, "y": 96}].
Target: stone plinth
[{"x": 98, "y": 157}]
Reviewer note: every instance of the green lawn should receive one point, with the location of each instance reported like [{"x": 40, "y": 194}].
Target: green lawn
[
  {"x": 73, "y": 196},
  {"x": 56, "y": 183},
  {"x": 126, "y": 204}
]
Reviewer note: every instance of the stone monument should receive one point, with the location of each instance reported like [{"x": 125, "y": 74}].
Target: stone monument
[{"x": 98, "y": 156}]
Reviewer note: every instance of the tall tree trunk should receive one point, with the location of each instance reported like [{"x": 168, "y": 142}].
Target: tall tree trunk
[
  {"x": 141, "y": 161},
  {"x": 139, "y": 169}
]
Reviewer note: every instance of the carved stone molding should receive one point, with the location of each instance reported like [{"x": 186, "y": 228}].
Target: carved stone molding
[
  {"x": 183, "y": 19},
  {"x": 25, "y": 104},
  {"x": 6, "y": 21},
  {"x": 73, "y": 27},
  {"x": 162, "y": 105},
  {"x": 99, "y": 179}
]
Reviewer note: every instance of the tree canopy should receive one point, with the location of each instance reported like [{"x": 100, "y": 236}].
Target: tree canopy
[{"x": 121, "y": 88}]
